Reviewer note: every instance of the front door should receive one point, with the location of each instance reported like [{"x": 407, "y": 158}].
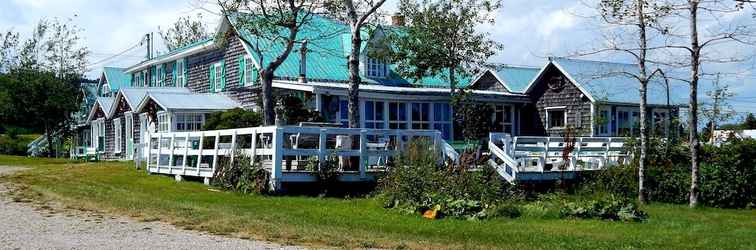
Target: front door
[{"x": 129, "y": 136}]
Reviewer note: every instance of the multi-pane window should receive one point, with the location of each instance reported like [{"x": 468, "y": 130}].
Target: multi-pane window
[
  {"x": 248, "y": 71},
  {"x": 397, "y": 114},
  {"x": 604, "y": 118},
  {"x": 420, "y": 115},
  {"x": 189, "y": 121},
  {"x": 442, "y": 119},
  {"x": 374, "y": 116},
  {"x": 556, "y": 117},
  {"x": 117, "y": 130},
  {"x": 164, "y": 122},
  {"x": 502, "y": 119},
  {"x": 376, "y": 68},
  {"x": 344, "y": 113},
  {"x": 218, "y": 77},
  {"x": 180, "y": 73},
  {"x": 145, "y": 78},
  {"x": 160, "y": 75},
  {"x": 627, "y": 121}
]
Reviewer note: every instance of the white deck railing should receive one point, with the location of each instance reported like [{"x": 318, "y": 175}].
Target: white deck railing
[
  {"x": 284, "y": 151},
  {"x": 530, "y": 154}
]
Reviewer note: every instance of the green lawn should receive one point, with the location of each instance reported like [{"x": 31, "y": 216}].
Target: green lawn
[{"x": 119, "y": 189}]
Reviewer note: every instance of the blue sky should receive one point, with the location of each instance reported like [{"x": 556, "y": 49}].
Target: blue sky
[{"x": 530, "y": 31}]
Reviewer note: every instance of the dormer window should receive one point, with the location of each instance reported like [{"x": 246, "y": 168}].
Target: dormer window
[
  {"x": 144, "y": 78},
  {"x": 376, "y": 68},
  {"x": 105, "y": 91},
  {"x": 160, "y": 75}
]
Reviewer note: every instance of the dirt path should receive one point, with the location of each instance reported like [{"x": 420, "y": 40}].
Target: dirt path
[{"x": 27, "y": 226}]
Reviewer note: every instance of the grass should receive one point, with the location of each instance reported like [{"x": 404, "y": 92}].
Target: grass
[{"x": 116, "y": 188}]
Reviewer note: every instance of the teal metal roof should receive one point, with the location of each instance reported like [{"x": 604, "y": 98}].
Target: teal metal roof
[
  {"x": 609, "y": 82},
  {"x": 516, "y": 78},
  {"x": 117, "y": 78},
  {"x": 328, "y": 48}
]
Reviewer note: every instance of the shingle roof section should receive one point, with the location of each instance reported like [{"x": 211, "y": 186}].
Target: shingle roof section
[
  {"x": 135, "y": 95},
  {"x": 609, "y": 82}
]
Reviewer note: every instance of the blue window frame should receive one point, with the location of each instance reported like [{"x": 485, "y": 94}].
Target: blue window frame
[
  {"x": 442, "y": 119},
  {"x": 374, "y": 117}
]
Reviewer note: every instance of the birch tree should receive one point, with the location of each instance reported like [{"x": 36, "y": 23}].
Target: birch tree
[
  {"x": 184, "y": 31},
  {"x": 632, "y": 22},
  {"x": 275, "y": 25}
]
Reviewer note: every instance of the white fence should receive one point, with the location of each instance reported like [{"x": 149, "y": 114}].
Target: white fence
[
  {"x": 285, "y": 151},
  {"x": 513, "y": 156}
]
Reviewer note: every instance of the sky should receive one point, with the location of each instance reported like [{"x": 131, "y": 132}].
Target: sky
[{"x": 530, "y": 30}]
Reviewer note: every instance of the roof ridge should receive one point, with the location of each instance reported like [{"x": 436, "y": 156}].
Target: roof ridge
[{"x": 592, "y": 61}]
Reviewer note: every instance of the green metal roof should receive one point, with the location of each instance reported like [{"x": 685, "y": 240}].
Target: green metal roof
[
  {"x": 516, "y": 78},
  {"x": 117, "y": 78}
]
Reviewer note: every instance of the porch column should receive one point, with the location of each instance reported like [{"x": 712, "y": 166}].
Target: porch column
[{"x": 318, "y": 102}]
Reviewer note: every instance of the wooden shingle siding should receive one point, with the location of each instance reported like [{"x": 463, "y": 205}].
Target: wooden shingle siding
[
  {"x": 199, "y": 68},
  {"x": 578, "y": 107},
  {"x": 489, "y": 82}
]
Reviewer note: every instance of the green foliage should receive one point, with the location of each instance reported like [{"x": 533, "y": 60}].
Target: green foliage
[
  {"x": 417, "y": 183},
  {"x": 11, "y": 144},
  {"x": 440, "y": 38},
  {"x": 606, "y": 208},
  {"x": 294, "y": 111},
  {"x": 232, "y": 118},
  {"x": 473, "y": 117},
  {"x": 241, "y": 175},
  {"x": 186, "y": 30},
  {"x": 326, "y": 173},
  {"x": 727, "y": 174}
]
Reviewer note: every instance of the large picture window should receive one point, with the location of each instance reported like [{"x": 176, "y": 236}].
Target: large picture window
[
  {"x": 503, "y": 119},
  {"x": 189, "y": 121},
  {"x": 397, "y": 114},
  {"x": 627, "y": 121},
  {"x": 374, "y": 116},
  {"x": 420, "y": 115}
]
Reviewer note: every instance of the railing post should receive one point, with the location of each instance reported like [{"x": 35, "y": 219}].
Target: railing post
[
  {"x": 199, "y": 154},
  {"x": 254, "y": 146},
  {"x": 233, "y": 147},
  {"x": 149, "y": 151},
  {"x": 545, "y": 154},
  {"x": 322, "y": 147},
  {"x": 363, "y": 153},
  {"x": 275, "y": 172},
  {"x": 215, "y": 152},
  {"x": 186, "y": 152},
  {"x": 172, "y": 147},
  {"x": 159, "y": 151}
]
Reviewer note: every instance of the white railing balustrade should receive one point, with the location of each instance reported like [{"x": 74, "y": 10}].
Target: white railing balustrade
[
  {"x": 531, "y": 154},
  {"x": 285, "y": 151}
]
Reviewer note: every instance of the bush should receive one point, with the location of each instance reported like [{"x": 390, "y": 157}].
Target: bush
[
  {"x": 607, "y": 208},
  {"x": 294, "y": 111},
  {"x": 726, "y": 175},
  {"x": 417, "y": 183},
  {"x": 232, "y": 118},
  {"x": 241, "y": 175},
  {"x": 13, "y": 144}
]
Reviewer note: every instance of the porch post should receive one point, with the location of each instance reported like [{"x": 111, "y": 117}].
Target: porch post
[
  {"x": 363, "y": 153},
  {"x": 275, "y": 173}
]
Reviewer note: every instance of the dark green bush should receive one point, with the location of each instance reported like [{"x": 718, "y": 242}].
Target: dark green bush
[
  {"x": 506, "y": 210},
  {"x": 12, "y": 144},
  {"x": 232, "y": 118},
  {"x": 606, "y": 208},
  {"x": 418, "y": 183}
]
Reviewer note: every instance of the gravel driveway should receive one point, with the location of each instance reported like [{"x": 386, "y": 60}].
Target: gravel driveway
[{"x": 29, "y": 226}]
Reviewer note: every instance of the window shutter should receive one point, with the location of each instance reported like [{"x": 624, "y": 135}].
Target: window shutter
[
  {"x": 242, "y": 67},
  {"x": 153, "y": 75},
  {"x": 223, "y": 75},
  {"x": 212, "y": 77},
  {"x": 173, "y": 74}
]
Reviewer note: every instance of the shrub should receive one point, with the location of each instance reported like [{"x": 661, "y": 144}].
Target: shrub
[
  {"x": 232, "y": 118},
  {"x": 607, "y": 208},
  {"x": 326, "y": 174},
  {"x": 241, "y": 175},
  {"x": 417, "y": 183},
  {"x": 12, "y": 144},
  {"x": 294, "y": 111}
]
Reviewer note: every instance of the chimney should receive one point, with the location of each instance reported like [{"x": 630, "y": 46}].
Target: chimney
[
  {"x": 397, "y": 20},
  {"x": 303, "y": 62}
]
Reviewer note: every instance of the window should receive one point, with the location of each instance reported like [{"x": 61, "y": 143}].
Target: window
[
  {"x": 397, "y": 114},
  {"x": 98, "y": 134},
  {"x": 376, "y": 68},
  {"x": 160, "y": 76},
  {"x": 117, "y": 130},
  {"x": 502, "y": 118},
  {"x": 627, "y": 121},
  {"x": 374, "y": 116},
  {"x": 218, "y": 80},
  {"x": 105, "y": 91},
  {"x": 129, "y": 132},
  {"x": 249, "y": 72},
  {"x": 145, "y": 81},
  {"x": 660, "y": 126},
  {"x": 180, "y": 73},
  {"x": 602, "y": 123},
  {"x": 344, "y": 113},
  {"x": 442, "y": 119},
  {"x": 164, "y": 122},
  {"x": 189, "y": 121},
  {"x": 420, "y": 115},
  {"x": 556, "y": 117}
]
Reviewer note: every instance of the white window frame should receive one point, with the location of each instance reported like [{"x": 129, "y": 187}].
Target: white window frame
[
  {"x": 145, "y": 81},
  {"x": 503, "y": 126},
  {"x": 117, "y": 135},
  {"x": 608, "y": 121},
  {"x": 548, "y": 119},
  {"x": 375, "y": 68},
  {"x": 180, "y": 73},
  {"x": 248, "y": 69},
  {"x": 378, "y": 123},
  {"x": 160, "y": 71},
  {"x": 189, "y": 121},
  {"x": 164, "y": 122},
  {"x": 218, "y": 73}
]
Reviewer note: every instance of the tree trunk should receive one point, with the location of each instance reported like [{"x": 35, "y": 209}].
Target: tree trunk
[
  {"x": 452, "y": 80},
  {"x": 693, "y": 116},
  {"x": 48, "y": 136},
  {"x": 354, "y": 80},
  {"x": 269, "y": 114},
  {"x": 643, "y": 91}
]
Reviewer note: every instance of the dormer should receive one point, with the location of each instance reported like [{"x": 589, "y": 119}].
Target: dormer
[{"x": 374, "y": 62}]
